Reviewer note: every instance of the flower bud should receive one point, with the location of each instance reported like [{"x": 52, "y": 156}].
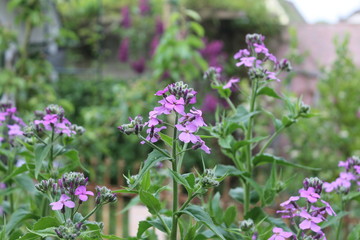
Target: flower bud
[
  {"x": 247, "y": 225},
  {"x": 313, "y": 182},
  {"x": 250, "y": 39},
  {"x": 285, "y": 65},
  {"x": 78, "y": 129},
  {"x": 55, "y": 109},
  {"x": 45, "y": 185},
  {"x": 304, "y": 109},
  {"x": 104, "y": 195},
  {"x": 134, "y": 127}
]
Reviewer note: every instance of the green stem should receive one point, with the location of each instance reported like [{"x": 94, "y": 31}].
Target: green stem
[
  {"x": 338, "y": 230},
  {"x": 271, "y": 139},
  {"x": 230, "y": 104},
  {"x": 175, "y": 185},
  {"x": 155, "y": 147},
  {"x": 91, "y": 213},
  {"x": 168, "y": 231},
  {"x": 182, "y": 156},
  {"x": 58, "y": 215},
  {"x": 52, "y": 152},
  {"x": 188, "y": 201},
  {"x": 248, "y": 149}
]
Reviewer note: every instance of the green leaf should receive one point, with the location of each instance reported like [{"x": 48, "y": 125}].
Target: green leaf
[
  {"x": 41, "y": 152},
  {"x": 17, "y": 219},
  {"x": 351, "y": 196},
  {"x": 238, "y": 194},
  {"x": 256, "y": 214},
  {"x": 143, "y": 226},
  {"x": 159, "y": 225},
  {"x": 355, "y": 233},
  {"x": 242, "y": 115},
  {"x": 229, "y": 170},
  {"x": 230, "y": 215},
  {"x": 151, "y": 202},
  {"x": 73, "y": 155},
  {"x": 333, "y": 219},
  {"x": 48, "y": 232},
  {"x": 167, "y": 140},
  {"x": 181, "y": 180},
  {"x": 268, "y": 91},
  {"x": 46, "y": 222},
  {"x": 134, "y": 201},
  {"x": 199, "y": 214},
  {"x": 215, "y": 210},
  {"x": 242, "y": 143},
  {"x": 15, "y": 172},
  {"x": 268, "y": 158},
  {"x": 154, "y": 157}
]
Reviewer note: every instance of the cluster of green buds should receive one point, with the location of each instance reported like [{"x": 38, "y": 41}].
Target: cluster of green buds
[
  {"x": 55, "y": 109},
  {"x": 182, "y": 90},
  {"x": 70, "y": 181},
  {"x": 45, "y": 185},
  {"x": 207, "y": 180},
  {"x": 313, "y": 182},
  {"x": 304, "y": 109},
  {"x": 70, "y": 230},
  {"x": 213, "y": 75},
  {"x": 247, "y": 226},
  {"x": 135, "y": 126},
  {"x": 104, "y": 195},
  {"x": 130, "y": 180},
  {"x": 80, "y": 130}
]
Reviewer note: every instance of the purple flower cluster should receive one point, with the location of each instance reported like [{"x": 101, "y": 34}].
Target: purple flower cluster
[
  {"x": 309, "y": 216},
  {"x": 256, "y": 57},
  {"x": 176, "y": 97},
  {"x": 71, "y": 187},
  {"x": 347, "y": 178},
  {"x": 144, "y": 7},
  {"x": 13, "y": 125},
  {"x": 54, "y": 119}
]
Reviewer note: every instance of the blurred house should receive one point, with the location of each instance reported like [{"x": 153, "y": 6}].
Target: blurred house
[
  {"x": 42, "y": 38},
  {"x": 316, "y": 43}
]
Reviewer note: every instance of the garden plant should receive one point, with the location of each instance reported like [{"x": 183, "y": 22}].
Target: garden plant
[{"x": 45, "y": 188}]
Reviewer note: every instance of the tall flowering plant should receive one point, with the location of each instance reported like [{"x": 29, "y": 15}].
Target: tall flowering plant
[
  {"x": 176, "y": 114},
  {"x": 237, "y": 135}
]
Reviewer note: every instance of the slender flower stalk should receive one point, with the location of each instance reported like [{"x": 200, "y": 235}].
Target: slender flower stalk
[{"x": 175, "y": 184}]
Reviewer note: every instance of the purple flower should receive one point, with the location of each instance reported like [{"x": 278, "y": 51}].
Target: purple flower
[
  {"x": 153, "y": 135},
  {"x": 290, "y": 202},
  {"x": 231, "y": 82},
  {"x": 328, "y": 208},
  {"x": 126, "y": 20},
  {"x": 271, "y": 76},
  {"x": 162, "y": 92},
  {"x": 15, "y": 130},
  {"x": 186, "y": 134},
  {"x": 171, "y": 103},
  {"x": 310, "y": 222},
  {"x": 194, "y": 117},
  {"x": 309, "y": 194},
  {"x": 201, "y": 144},
  {"x": 144, "y": 7},
  {"x": 260, "y": 48},
  {"x": 123, "y": 54},
  {"x": 82, "y": 193},
  {"x": 139, "y": 65},
  {"x": 241, "y": 53},
  {"x": 246, "y": 61},
  {"x": 63, "y": 202},
  {"x": 280, "y": 234}
]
